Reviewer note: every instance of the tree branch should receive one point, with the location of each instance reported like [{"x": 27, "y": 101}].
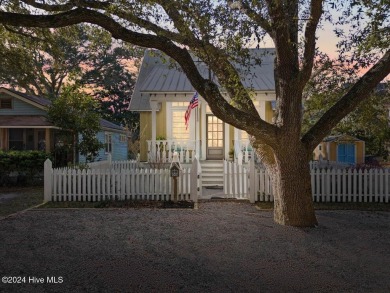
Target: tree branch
[
  {"x": 358, "y": 93},
  {"x": 258, "y": 18},
  {"x": 310, "y": 41}
]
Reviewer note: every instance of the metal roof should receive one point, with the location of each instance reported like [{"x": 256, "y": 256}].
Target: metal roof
[{"x": 158, "y": 74}]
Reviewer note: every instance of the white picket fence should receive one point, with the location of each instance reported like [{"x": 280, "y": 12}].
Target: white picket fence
[
  {"x": 117, "y": 165},
  {"x": 328, "y": 185},
  {"x": 235, "y": 181},
  {"x": 116, "y": 183}
]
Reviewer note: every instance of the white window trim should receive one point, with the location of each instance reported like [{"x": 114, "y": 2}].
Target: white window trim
[
  {"x": 169, "y": 118},
  {"x": 105, "y": 143}
]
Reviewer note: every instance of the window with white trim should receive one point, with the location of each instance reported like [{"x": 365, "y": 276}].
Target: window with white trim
[
  {"x": 122, "y": 138},
  {"x": 179, "y": 130},
  {"x": 108, "y": 142}
]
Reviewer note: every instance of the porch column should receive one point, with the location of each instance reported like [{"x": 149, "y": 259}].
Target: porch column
[
  {"x": 197, "y": 132},
  {"x": 203, "y": 131},
  {"x": 47, "y": 140},
  {"x": 155, "y": 107},
  {"x": 226, "y": 139}
]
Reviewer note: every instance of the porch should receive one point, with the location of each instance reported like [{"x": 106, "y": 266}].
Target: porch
[{"x": 161, "y": 151}]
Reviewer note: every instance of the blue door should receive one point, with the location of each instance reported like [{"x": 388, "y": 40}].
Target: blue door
[{"x": 346, "y": 153}]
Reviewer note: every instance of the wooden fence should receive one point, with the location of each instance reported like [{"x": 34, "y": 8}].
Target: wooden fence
[
  {"x": 65, "y": 184},
  {"x": 328, "y": 185}
]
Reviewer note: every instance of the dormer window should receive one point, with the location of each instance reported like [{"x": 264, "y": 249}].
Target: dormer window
[{"x": 6, "y": 103}]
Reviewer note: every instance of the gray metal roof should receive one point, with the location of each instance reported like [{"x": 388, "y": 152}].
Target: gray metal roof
[{"x": 159, "y": 75}]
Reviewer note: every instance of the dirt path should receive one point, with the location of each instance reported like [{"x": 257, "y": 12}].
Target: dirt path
[{"x": 222, "y": 247}]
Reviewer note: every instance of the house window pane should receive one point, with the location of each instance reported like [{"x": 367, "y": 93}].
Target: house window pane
[
  {"x": 16, "y": 141},
  {"x": 30, "y": 142},
  {"x": 180, "y": 104},
  {"x": 179, "y": 130},
  {"x": 108, "y": 142},
  {"x": 6, "y": 103}
]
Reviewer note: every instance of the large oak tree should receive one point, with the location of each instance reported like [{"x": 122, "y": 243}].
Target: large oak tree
[{"x": 218, "y": 32}]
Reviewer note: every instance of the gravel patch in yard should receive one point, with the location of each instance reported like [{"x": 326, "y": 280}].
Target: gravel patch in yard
[{"x": 221, "y": 247}]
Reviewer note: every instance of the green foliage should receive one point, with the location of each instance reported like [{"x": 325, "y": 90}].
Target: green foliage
[
  {"x": 111, "y": 83},
  {"x": 42, "y": 61},
  {"x": 39, "y": 60},
  {"x": 76, "y": 114},
  {"x": 368, "y": 122},
  {"x": 26, "y": 163}
]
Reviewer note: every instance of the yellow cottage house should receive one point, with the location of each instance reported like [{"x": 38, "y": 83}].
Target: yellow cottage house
[{"x": 162, "y": 94}]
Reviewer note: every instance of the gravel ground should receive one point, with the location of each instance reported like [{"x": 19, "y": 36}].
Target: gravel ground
[{"x": 222, "y": 247}]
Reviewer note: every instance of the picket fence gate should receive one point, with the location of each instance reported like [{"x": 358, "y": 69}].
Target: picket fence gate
[
  {"x": 66, "y": 184},
  {"x": 328, "y": 184}
]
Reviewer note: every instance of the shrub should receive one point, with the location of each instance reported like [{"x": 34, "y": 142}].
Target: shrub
[{"x": 22, "y": 165}]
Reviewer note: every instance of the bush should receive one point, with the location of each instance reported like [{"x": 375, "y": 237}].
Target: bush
[{"x": 21, "y": 167}]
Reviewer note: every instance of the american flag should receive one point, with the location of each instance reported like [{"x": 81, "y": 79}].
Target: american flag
[{"x": 193, "y": 104}]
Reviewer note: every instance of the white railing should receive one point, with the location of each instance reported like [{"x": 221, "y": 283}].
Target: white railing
[
  {"x": 162, "y": 150},
  {"x": 66, "y": 184},
  {"x": 242, "y": 151},
  {"x": 328, "y": 185}
]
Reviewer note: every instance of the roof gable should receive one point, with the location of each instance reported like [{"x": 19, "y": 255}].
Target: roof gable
[
  {"x": 42, "y": 103},
  {"x": 38, "y": 102},
  {"x": 160, "y": 75}
]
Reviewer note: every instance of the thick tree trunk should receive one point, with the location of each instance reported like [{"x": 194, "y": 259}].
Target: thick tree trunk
[{"x": 293, "y": 204}]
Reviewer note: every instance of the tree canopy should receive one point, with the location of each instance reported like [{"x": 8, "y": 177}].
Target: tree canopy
[
  {"x": 219, "y": 33},
  {"x": 41, "y": 61},
  {"x": 74, "y": 112}
]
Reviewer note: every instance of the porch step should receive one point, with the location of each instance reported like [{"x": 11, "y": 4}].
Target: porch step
[{"x": 212, "y": 173}]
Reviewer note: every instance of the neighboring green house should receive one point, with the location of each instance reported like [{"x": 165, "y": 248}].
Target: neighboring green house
[{"x": 23, "y": 126}]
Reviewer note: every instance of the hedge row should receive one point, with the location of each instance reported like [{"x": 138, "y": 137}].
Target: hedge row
[{"x": 25, "y": 165}]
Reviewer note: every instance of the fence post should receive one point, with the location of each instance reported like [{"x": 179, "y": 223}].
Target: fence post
[
  {"x": 109, "y": 159},
  {"x": 194, "y": 182},
  {"x": 48, "y": 180},
  {"x": 252, "y": 174}
]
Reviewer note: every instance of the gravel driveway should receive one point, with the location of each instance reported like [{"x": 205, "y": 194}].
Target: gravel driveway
[{"x": 222, "y": 247}]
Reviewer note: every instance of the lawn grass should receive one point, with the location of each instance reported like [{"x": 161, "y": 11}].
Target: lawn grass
[{"x": 27, "y": 197}]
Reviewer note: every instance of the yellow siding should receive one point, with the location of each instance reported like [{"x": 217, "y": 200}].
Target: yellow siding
[
  {"x": 145, "y": 133},
  {"x": 359, "y": 152},
  {"x": 269, "y": 113},
  {"x": 161, "y": 121},
  {"x": 332, "y": 151}
]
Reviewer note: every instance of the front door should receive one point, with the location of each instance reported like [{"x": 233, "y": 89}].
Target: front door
[{"x": 214, "y": 138}]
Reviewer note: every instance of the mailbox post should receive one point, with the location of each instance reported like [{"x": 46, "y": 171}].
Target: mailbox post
[{"x": 175, "y": 173}]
